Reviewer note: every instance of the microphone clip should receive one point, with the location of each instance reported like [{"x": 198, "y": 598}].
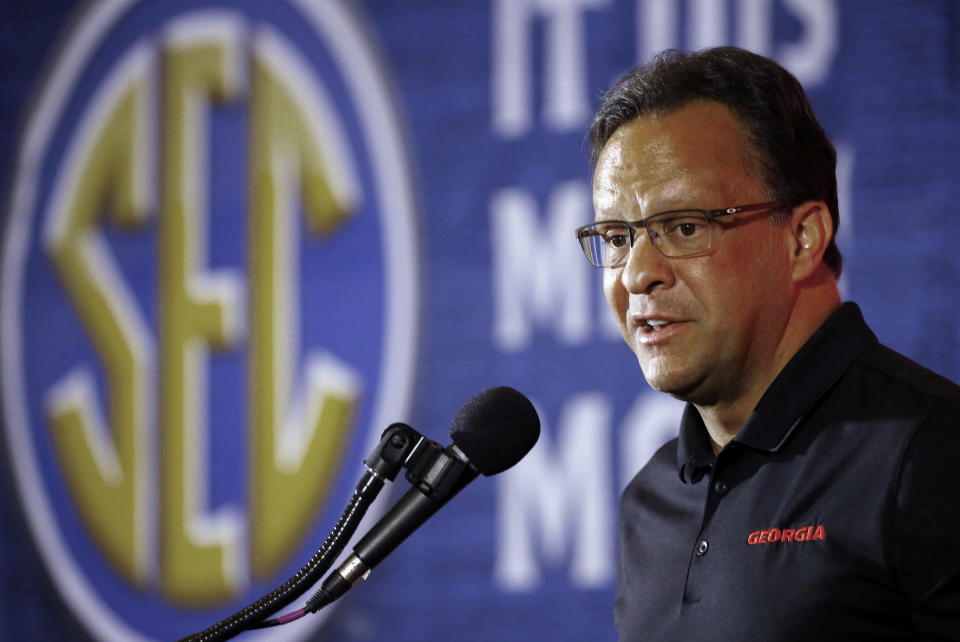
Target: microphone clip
[
  {"x": 431, "y": 468},
  {"x": 393, "y": 452},
  {"x": 435, "y": 471}
]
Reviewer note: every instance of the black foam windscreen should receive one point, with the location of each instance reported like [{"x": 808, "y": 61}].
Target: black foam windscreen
[{"x": 495, "y": 429}]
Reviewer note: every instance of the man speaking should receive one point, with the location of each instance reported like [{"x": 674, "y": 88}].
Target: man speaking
[{"x": 811, "y": 492}]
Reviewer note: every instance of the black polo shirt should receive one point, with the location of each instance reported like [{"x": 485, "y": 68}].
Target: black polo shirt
[{"x": 833, "y": 515}]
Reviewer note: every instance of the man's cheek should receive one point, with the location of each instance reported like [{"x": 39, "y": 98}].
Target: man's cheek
[
  {"x": 614, "y": 292},
  {"x": 618, "y": 304}
]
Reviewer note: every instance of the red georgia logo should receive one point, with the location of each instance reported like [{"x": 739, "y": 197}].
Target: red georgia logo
[{"x": 773, "y": 535}]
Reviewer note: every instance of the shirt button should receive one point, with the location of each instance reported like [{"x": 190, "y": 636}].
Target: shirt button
[
  {"x": 719, "y": 486},
  {"x": 702, "y": 548}
]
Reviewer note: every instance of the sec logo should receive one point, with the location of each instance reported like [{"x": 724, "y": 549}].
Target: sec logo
[{"x": 209, "y": 302}]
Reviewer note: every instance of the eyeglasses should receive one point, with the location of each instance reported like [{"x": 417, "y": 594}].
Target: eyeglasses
[{"x": 675, "y": 233}]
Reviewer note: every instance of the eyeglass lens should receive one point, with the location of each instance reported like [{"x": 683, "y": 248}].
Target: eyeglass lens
[{"x": 674, "y": 234}]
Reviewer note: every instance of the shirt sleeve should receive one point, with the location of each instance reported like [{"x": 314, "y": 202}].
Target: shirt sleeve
[{"x": 926, "y": 524}]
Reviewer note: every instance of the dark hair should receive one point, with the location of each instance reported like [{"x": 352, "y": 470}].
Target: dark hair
[{"x": 797, "y": 162}]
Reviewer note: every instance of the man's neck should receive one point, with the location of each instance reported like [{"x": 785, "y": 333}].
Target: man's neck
[{"x": 725, "y": 418}]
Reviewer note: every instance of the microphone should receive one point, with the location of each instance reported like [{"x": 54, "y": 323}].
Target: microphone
[{"x": 491, "y": 432}]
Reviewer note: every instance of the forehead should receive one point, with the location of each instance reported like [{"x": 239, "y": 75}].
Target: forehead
[{"x": 694, "y": 156}]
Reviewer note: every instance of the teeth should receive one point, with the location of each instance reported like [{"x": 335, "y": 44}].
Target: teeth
[{"x": 656, "y": 324}]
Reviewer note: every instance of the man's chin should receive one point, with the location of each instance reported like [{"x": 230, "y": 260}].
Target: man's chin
[{"x": 685, "y": 386}]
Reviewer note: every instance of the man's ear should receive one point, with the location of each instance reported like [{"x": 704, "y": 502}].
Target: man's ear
[{"x": 810, "y": 227}]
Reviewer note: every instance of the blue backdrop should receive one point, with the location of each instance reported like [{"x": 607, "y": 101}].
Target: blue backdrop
[{"x": 227, "y": 221}]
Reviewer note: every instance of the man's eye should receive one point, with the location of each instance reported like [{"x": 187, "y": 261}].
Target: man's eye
[
  {"x": 685, "y": 228},
  {"x": 616, "y": 238}
]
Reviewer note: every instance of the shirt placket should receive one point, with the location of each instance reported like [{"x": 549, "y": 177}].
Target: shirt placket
[{"x": 704, "y": 547}]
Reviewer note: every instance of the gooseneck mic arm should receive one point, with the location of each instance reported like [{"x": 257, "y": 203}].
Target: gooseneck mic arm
[{"x": 399, "y": 446}]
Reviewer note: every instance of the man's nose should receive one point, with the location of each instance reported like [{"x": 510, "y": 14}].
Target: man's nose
[{"x": 646, "y": 268}]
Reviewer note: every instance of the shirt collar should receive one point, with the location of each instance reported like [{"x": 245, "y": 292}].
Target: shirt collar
[
  {"x": 803, "y": 381},
  {"x": 694, "y": 450}
]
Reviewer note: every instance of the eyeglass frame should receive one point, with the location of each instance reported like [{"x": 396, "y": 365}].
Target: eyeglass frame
[{"x": 709, "y": 215}]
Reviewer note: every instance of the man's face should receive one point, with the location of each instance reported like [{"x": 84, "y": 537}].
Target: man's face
[{"x": 717, "y": 318}]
